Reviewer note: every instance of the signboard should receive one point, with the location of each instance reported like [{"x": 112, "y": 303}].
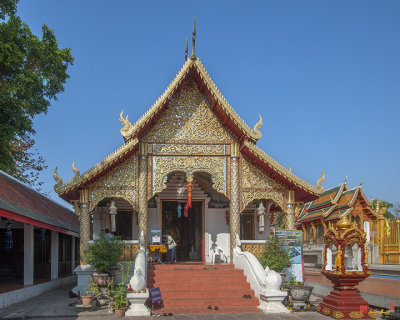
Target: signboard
[
  {"x": 293, "y": 240},
  {"x": 155, "y": 295}
]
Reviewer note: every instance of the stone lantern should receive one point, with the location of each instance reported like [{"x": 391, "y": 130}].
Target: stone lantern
[{"x": 345, "y": 264}]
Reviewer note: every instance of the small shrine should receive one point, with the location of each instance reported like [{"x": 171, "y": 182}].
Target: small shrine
[{"x": 345, "y": 271}]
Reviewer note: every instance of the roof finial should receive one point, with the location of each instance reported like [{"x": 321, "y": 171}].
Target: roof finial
[
  {"x": 186, "y": 50},
  {"x": 193, "y": 56}
]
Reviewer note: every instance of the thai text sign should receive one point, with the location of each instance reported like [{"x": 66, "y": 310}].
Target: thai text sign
[{"x": 155, "y": 295}]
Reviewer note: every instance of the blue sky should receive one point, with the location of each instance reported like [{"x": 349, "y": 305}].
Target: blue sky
[{"x": 324, "y": 75}]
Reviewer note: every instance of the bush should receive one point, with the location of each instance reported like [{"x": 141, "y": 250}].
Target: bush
[
  {"x": 104, "y": 253},
  {"x": 275, "y": 255}
]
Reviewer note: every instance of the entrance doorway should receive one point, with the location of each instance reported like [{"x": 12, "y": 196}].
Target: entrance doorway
[{"x": 186, "y": 231}]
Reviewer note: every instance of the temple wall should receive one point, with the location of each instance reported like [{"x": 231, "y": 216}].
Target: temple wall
[{"x": 216, "y": 233}]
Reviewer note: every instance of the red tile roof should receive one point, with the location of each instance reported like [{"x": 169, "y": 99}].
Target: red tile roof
[{"x": 20, "y": 199}]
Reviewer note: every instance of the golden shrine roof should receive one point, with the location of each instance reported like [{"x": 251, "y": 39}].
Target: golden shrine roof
[{"x": 335, "y": 203}]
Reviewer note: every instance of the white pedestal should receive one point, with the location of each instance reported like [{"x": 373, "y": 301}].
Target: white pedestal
[
  {"x": 271, "y": 301},
  {"x": 84, "y": 273},
  {"x": 137, "y": 305}
]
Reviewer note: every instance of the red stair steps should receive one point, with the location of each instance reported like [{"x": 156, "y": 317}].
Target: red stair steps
[{"x": 188, "y": 289}]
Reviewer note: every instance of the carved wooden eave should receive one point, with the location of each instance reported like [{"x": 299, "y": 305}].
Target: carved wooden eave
[
  {"x": 69, "y": 190},
  {"x": 194, "y": 68},
  {"x": 304, "y": 190}
]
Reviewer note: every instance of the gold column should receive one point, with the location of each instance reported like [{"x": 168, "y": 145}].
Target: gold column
[
  {"x": 84, "y": 223},
  {"x": 381, "y": 235},
  {"x": 290, "y": 220},
  {"x": 234, "y": 218},
  {"x": 143, "y": 189}
]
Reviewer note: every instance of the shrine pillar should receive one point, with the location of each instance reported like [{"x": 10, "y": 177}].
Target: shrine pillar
[
  {"x": 142, "y": 197},
  {"x": 290, "y": 219},
  {"x": 234, "y": 217},
  {"x": 84, "y": 219}
]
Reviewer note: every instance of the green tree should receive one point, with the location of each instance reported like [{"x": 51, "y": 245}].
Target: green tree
[
  {"x": 275, "y": 255},
  {"x": 33, "y": 72}
]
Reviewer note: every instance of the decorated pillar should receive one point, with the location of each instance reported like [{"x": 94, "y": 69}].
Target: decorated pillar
[
  {"x": 84, "y": 219},
  {"x": 234, "y": 218},
  {"x": 142, "y": 198},
  {"x": 290, "y": 219}
]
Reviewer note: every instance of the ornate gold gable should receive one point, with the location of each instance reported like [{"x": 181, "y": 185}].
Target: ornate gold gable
[
  {"x": 258, "y": 185},
  {"x": 119, "y": 182},
  {"x": 188, "y": 119}
]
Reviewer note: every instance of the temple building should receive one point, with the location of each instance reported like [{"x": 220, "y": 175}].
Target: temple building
[
  {"x": 191, "y": 167},
  {"x": 330, "y": 207},
  {"x": 39, "y": 242}
]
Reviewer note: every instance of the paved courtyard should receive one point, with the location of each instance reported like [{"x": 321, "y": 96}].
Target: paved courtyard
[{"x": 56, "y": 304}]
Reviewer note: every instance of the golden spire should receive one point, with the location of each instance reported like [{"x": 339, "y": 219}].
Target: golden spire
[
  {"x": 193, "y": 56},
  {"x": 186, "y": 50}
]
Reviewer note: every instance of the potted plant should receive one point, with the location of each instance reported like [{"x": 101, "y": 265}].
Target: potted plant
[
  {"x": 91, "y": 293},
  {"x": 276, "y": 256},
  {"x": 118, "y": 293},
  {"x": 103, "y": 254},
  {"x": 119, "y": 299}
]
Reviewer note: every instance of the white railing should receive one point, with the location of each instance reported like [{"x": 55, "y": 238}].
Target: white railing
[
  {"x": 266, "y": 283},
  {"x": 139, "y": 278}
]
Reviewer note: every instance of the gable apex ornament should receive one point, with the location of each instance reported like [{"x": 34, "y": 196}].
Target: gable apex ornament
[
  {"x": 193, "y": 56},
  {"x": 256, "y": 128},
  {"x": 58, "y": 180},
  {"x": 186, "y": 50},
  {"x": 321, "y": 181},
  {"x": 127, "y": 129},
  {"x": 75, "y": 170}
]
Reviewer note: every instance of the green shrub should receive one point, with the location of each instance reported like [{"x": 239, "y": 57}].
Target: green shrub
[
  {"x": 104, "y": 253},
  {"x": 275, "y": 255}
]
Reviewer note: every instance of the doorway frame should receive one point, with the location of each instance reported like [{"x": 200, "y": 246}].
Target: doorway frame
[{"x": 202, "y": 224}]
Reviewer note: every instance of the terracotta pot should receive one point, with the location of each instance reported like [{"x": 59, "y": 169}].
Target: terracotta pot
[
  {"x": 86, "y": 300},
  {"x": 119, "y": 313},
  {"x": 102, "y": 279}
]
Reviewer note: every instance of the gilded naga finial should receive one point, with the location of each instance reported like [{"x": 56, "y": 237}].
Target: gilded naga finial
[
  {"x": 256, "y": 128},
  {"x": 193, "y": 56},
  {"x": 127, "y": 129},
  {"x": 290, "y": 169},
  {"x": 186, "y": 50},
  {"x": 58, "y": 180},
  {"x": 321, "y": 181},
  {"x": 75, "y": 170}
]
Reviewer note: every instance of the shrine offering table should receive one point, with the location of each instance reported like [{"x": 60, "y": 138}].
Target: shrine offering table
[{"x": 157, "y": 249}]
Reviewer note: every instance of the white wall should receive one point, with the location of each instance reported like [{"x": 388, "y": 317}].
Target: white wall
[{"x": 216, "y": 233}]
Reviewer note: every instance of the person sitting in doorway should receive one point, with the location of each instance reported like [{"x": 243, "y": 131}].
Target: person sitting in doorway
[
  {"x": 171, "y": 246},
  {"x": 108, "y": 234}
]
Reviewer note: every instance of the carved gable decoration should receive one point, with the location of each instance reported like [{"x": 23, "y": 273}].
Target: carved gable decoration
[
  {"x": 188, "y": 119},
  {"x": 119, "y": 182},
  {"x": 256, "y": 184}
]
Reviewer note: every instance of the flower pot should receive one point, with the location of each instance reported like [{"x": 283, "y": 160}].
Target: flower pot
[
  {"x": 119, "y": 313},
  {"x": 102, "y": 279},
  {"x": 86, "y": 300}
]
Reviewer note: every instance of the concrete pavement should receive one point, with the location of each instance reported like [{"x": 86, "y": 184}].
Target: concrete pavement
[{"x": 56, "y": 304}]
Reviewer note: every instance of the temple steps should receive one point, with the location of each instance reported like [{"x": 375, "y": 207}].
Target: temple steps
[{"x": 188, "y": 289}]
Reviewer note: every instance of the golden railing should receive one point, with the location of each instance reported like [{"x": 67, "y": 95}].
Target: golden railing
[
  {"x": 254, "y": 248},
  {"x": 129, "y": 251}
]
